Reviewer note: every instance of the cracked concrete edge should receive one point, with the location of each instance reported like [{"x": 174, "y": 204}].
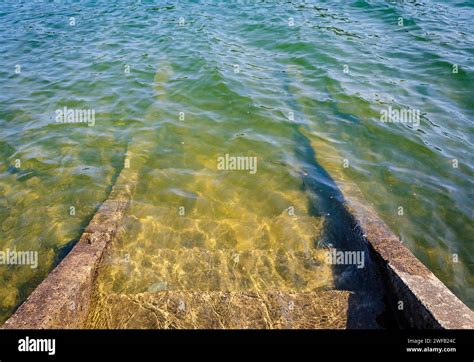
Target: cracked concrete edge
[
  {"x": 426, "y": 303},
  {"x": 62, "y": 300}
]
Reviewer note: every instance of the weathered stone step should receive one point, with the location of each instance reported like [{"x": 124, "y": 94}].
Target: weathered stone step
[
  {"x": 216, "y": 310},
  {"x": 216, "y": 270}
]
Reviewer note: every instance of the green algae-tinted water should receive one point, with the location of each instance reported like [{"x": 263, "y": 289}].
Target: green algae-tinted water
[{"x": 179, "y": 84}]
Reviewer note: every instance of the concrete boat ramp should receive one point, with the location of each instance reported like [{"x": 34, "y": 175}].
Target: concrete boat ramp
[{"x": 412, "y": 296}]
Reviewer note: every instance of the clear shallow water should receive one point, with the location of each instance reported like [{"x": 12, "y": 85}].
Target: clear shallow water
[{"x": 190, "y": 68}]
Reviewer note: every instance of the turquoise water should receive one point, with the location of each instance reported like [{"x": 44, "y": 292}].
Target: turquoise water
[{"x": 182, "y": 83}]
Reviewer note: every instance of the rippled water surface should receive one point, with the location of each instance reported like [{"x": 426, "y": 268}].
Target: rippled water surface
[{"x": 300, "y": 85}]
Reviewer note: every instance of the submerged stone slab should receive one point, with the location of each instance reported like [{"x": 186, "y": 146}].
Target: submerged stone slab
[
  {"x": 221, "y": 310},
  {"x": 199, "y": 269}
]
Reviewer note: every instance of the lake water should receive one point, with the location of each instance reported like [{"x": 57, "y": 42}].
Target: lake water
[{"x": 301, "y": 93}]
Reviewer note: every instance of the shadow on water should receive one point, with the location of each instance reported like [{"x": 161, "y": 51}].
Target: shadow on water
[{"x": 366, "y": 308}]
